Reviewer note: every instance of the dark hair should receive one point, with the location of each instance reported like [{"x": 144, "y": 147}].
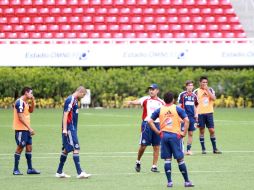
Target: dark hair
[
  {"x": 189, "y": 82},
  {"x": 25, "y": 89},
  {"x": 203, "y": 78},
  {"x": 168, "y": 97}
]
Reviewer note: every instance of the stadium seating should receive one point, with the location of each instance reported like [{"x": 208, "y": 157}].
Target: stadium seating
[{"x": 35, "y": 19}]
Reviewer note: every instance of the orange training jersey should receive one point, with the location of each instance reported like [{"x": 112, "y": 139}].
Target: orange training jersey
[
  {"x": 170, "y": 119},
  {"x": 205, "y": 103},
  {"x": 21, "y": 107}
]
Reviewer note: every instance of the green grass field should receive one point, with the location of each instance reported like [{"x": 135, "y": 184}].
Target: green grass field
[{"x": 109, "y": 142}]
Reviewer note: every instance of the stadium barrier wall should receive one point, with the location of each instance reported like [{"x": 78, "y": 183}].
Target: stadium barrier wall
[{"x": 128, "y": 52}]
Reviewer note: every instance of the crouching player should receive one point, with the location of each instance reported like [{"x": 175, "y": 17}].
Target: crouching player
[{"x": 170, "y": 117}]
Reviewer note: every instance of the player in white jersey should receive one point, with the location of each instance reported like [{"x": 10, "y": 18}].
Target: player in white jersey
[{"x": 149, "y": 137}]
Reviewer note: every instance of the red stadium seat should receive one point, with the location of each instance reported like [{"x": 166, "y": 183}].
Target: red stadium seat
[
  {"x": 50, "y": 2},
  {"x": 119, "y": 19},
  {"x": 77, "y": 27},
  {"x": 50, "y": 19},
  {"x": 27, "y": 2},
  {"x": 19, "y": 28},
  {"x": 37, "y": 19},
  {"x": 14, "y": 20},
  {"x": 3, "y": 20},
  {"x": 138, "y": 27},
  {"x": 44, "y": 10},
  {"x": 20, "y": 10},
  {"x": 38, "y": 2},
  {"x": 4, "y": 2},
  {"x": 42, "y": 27}
]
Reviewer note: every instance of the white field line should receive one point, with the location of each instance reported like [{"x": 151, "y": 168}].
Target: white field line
[
  {"x": 118, "y": 174},
  {"x": 108, "y": 115},
  {"x": 119, "y": 154},
  {"x": 85, "y": 125}
]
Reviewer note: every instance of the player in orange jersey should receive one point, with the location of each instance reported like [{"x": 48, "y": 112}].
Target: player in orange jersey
[
  {"x": 171, "y": 134},
  {"x": 23, "y": 130},
  {"x": 206, "y": 97}
]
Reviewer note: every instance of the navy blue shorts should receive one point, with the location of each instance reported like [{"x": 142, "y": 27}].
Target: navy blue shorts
[
  {"x": 148, "y": 136},
  {"x": 70, "y": 142},
  {"x": 191, "y": 124},
  {"x": 23, "y": 138},
  {"x": 171, "y": 144},
  {"x": 205, "y": 120}
]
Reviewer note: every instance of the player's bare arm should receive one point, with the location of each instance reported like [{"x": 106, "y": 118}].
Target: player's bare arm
[
  {"x": 21, "y": 117},
  {"x": 195, "y": 113},
  {"x": 153, "y": 127},
  {"x": 133, "y": 102},
  {"x": 65, "y": 117},
  {"x": 211, "y": 95},
  {"x": 186, "y": 127},
  {"x": 31, "y": 107}
]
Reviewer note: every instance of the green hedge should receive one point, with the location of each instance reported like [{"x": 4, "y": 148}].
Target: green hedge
[{"x": 111, "y": 84}]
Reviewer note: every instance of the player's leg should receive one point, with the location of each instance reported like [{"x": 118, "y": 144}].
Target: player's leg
[
  {"x": 81, "y": 174},
  {"x": 202, "y": 139},
  {"x": 183, "y": 169},
  {"x": 63, "y": 158},
  {"x": 177, "y": 149},
  {"x": 141, "y": 151},
  {"x": 65, "y": 150},
  {"x": 76, "y": 158},
  {"x": 166, "y": 154},
  {"x": 144, "y": 142},
  {"x": 190, "y": 135},
  {"x": 189, "y": 143},
  {"x": 201, "y": 126},
  {"x": 211, "y": 129},
  {"x": 156, "y": 151},
  {"x": 17, "y": 154},
  {"x": 155, "y": 139},
  {"x": 20, "y": 141},
  {"x": 30, "y": 169}
]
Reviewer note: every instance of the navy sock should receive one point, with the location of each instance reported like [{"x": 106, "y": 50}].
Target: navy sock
[
  {"x": 63, "y": 158},
  {"x": 202, "y": 142},
  {"x": 167, "y": 167},
  {"x": 188, "y": 147},
  {"x": 29, "y": 159},
  {"x": 16, "y": 161},
  {"x": 213, "y": 140},
  {"x": 77, "y": 163},
  {"x": 183, "y": 170}
]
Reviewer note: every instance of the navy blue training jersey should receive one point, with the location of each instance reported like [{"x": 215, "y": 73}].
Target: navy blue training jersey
[
  {"x": 71, "y": 106},
  {"x": 188, "y": 101}
]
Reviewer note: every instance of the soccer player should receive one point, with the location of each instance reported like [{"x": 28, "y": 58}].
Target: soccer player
[
  {"x": 206, "y": 97},
  {"x": 69, "y": 134},
  {"x": 188, "y": 101},
  {"x": 148, "y": 137},
  {"x": 171, "y": 134},
  {"x": 23, "y": 130}
]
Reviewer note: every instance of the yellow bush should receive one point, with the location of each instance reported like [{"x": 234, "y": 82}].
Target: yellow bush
[
  {"x": 229, "y": 102},
  {"x": 240, "y": 102}
]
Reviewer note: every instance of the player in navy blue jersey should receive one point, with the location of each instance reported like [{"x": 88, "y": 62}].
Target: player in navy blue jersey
[
  {"x": 188, "y": 101},
  {"x": 69, "y": 134}
]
